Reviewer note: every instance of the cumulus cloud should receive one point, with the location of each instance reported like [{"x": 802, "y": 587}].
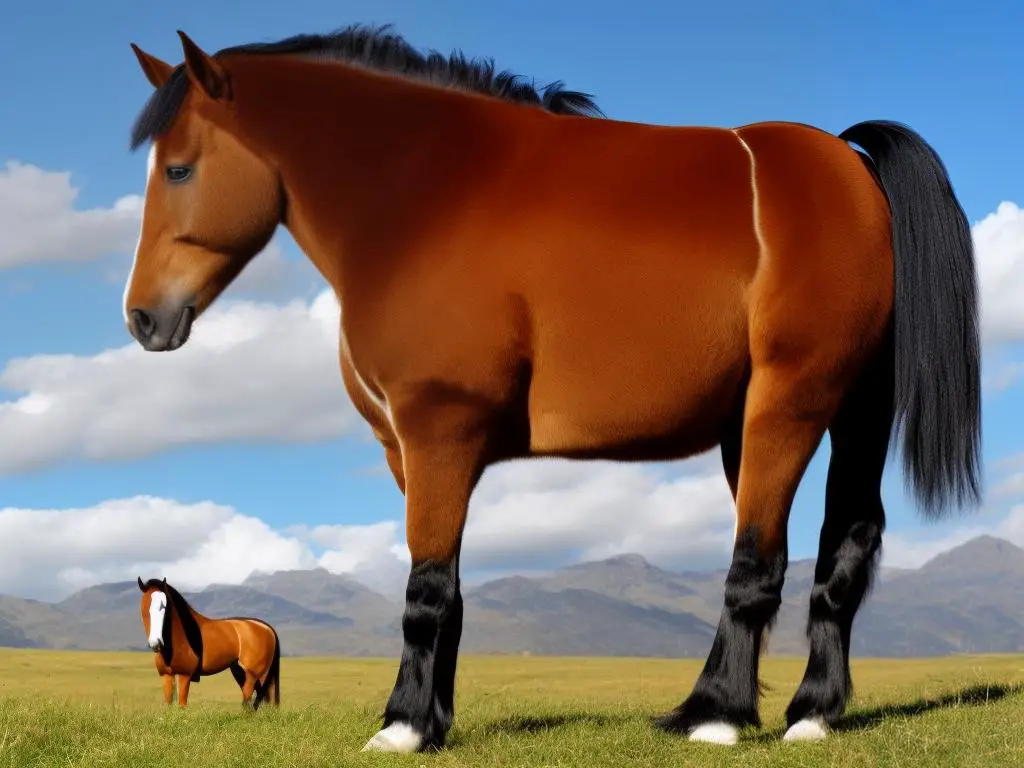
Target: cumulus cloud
[
  {"x": 529, "y": 516},
  {"x": 534, "y": 516},
  {"x": 554, "y": 512},
  {"x": 47, "y": 553},
  {"x": 911, "y": 550},
  {"x": 999, "y": 240},
  {"x": 41, "y": 224},
  {"x": 251, "y": 371}
]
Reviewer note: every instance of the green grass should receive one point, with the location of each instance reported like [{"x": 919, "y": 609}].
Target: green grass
[{"x": 105, "y": 709}]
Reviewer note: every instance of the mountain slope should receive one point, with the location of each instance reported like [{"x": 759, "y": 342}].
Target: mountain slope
[{"x": 969, "y": 599}]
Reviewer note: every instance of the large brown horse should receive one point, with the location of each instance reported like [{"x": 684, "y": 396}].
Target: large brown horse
[
  {"x": 187, "y": 645},
  {"x": 515, "y": 282}
]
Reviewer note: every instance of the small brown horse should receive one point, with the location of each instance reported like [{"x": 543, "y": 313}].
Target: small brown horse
[
  {"x": 188, "y": 645},
  {"x": 516, "y": 282}
]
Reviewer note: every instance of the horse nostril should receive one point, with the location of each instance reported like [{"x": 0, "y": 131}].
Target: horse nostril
[{"x": 143, "y": 324}]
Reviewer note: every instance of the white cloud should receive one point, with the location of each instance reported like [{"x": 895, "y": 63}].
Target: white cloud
[
  {"x": 528, "y": 516},
  {"x": 46, "y": 554},
  {"x": 540, "y": 515},
  {"x": 40, "y": 223},
  {"x": 251, "y": 371},
  {"x": 912, "y": 551},
  {"x": 555, "y": 512},
  {"x": 999, "y": 240}
]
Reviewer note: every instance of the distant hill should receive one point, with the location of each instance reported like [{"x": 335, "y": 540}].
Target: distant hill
[{"x": 967, "y": 600}]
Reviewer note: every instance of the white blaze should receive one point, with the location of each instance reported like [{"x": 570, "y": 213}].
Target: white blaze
[
  {"x": 157, "y": 609},
  {"x": 150, "y": 167}
]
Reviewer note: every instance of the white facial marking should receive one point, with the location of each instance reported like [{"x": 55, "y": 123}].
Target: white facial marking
[
  {"x": 716, "y": 733},
  {"x": 397, "y": 737},
  {"x": 150, "y": 168},
  {"x": 157, "y": 609},
  {"x": 808, "y": 729}
]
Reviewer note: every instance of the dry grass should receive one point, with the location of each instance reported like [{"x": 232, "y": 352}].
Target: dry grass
[{"x": 104, "y": 709}]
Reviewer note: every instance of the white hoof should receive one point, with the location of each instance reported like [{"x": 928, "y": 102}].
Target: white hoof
[
  {"x": 716, "y": 733},
  {"x": 808, "y": 729},
  {"x": 397, "y": 737}
]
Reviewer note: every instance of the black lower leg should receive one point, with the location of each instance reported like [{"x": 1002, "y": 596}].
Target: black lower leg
[
  {"x": 851, "y": 539},
  {"x": 432, "y": 626},
  {"x": 842, "y": 578},
  {"x": 727, "y": 689}
]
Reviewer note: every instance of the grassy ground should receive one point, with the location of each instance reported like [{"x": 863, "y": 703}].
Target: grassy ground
[{"x": 104, "y": 709}]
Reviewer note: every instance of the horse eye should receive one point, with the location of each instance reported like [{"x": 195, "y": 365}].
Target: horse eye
[{"x": 178, "y": 173}]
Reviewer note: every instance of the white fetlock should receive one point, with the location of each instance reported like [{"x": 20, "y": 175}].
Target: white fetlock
[
  {"x": 716, "y": 733},
  {"x": 397, "y": 737},
  {"x": 808, "y": 729}
]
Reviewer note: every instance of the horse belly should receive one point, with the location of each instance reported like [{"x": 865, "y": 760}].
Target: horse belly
[{"x": 646, "y": 373}]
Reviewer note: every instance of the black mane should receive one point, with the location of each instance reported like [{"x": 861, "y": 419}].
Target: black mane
[{"x": 377, "y": 47}]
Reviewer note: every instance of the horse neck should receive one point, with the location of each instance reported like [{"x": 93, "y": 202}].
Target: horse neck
[
  {"x": 365, "y": 156},
  {"x": 196, "y": 615}
]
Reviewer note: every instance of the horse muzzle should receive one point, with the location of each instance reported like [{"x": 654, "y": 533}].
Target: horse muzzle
[{"x": 161, "y": 330}]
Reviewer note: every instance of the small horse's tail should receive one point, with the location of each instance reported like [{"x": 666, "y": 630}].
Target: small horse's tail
[
  {"x": 271, "y": 686},
  {"x": 937, "y": 404}
]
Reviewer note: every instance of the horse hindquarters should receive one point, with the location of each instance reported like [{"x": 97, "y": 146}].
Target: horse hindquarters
[
  {"x": 926, "y": 379},
  {"x": 819, "y": 307}
]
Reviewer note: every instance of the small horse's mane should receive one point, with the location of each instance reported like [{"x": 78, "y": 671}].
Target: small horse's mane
[{"x": 376, "y": 47}]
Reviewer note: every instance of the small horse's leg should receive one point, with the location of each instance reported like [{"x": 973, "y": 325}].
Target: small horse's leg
[
  {"x": 167, "y": 681},
  {"x": 442, "y": 464},
  {"x": 851, "y": 537},
  {"x": 782, "y": 428},
  {"x": 184, "y": 681},
  {"x": 249, "y": 688},
  {"x": 242, "y": 678}
]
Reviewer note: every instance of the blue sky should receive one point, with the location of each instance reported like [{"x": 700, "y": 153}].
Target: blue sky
[{"x": 72, "y": 88}]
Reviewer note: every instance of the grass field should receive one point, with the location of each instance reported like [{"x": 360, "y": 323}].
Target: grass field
[{"x": 104, "y": 709}]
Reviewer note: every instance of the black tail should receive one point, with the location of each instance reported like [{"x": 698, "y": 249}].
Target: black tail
[
  {"x": 938, "y": 356},
  {"x": 273, "y": 679}
]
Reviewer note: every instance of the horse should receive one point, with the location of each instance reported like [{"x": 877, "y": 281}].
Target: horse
[
  {"x": 187, "y": 645},
  {"x": 518, "y": 280}
]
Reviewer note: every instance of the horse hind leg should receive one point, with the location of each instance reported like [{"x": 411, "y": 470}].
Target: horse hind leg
[
  {"x": 240, "y": 676},
  {"x": 782, "y": 428},
  {"x": 851, "y": 538},
  {"x": 248, "y": 682}
]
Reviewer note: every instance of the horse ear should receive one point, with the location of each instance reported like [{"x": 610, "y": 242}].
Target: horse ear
[
  {"x": 142, "y": 587},
  {"x": 204, "y": 71},
  {"x": 165, "y": 581},
  {"x": 156, "y": 70}
]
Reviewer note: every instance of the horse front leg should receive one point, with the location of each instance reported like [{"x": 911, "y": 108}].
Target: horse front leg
[
  {"x": 167, "y": 683},
  {"x": 442, "y": 458},
  {"x": 183, "y": 683}
]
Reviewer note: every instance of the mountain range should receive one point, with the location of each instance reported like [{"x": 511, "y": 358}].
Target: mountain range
[{"x": 969, "y": 599}]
